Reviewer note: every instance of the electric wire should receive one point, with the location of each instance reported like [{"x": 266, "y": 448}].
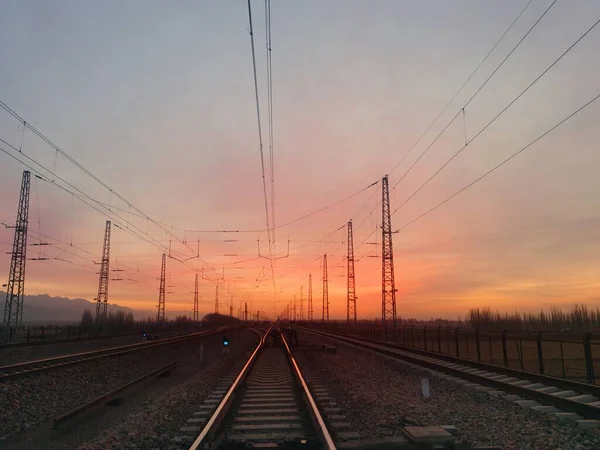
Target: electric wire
[
  {"x": 497, "y": 166},
  {"x": 461, "y": 88},
  {"x": 482, "y": 130},
  {"x": 477, "y": 92}
]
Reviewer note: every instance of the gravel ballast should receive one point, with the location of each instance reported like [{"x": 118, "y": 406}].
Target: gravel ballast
[
  {"x": 32, "y": 352},
  {"x": 154, "y": 426},
  {"x": 380, "y": 396},
  {"x": 28, "y": 401}
]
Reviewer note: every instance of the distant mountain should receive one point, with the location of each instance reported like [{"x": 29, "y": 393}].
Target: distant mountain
[{"x": 46, "y": 309}]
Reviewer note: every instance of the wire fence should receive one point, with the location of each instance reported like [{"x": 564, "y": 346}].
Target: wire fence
[
  {"x": 563, "y": 355},
  {"x": 60, "y": 333}
]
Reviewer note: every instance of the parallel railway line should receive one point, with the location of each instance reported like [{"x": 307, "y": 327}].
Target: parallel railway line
[
  {"x": 566, "y": 398},
  {"x": 19, "y": 370},
  {"x": 268, "y": 403}
]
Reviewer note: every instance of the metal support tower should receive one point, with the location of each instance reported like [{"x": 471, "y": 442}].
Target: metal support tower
[
  {"x": 388, "y": 284},
  {"x": 325, "y": 317},
  {"x": 217, "y": 301},
  {"x": 15, "y": 291},
  {"x": 310, "y": 305},
  {"x": 231, "y": 307},
  {"x": 294, "y": 308},
  {"x": 102, "y": 298},
  {"x": 195, "y": 318},
  {"x": 245, "y": 311},
  {"x": 351, "y": 297},
  {"x": 301, "y": 303},
  {"x": 161, "y": 292}
]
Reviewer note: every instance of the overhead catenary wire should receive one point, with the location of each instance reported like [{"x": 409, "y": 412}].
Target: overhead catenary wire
[
  {"x": 461, "y": 110},
  {"x": 456, "y": 94},
  {"x": 497, "y": 166},
  {"x": 78, "y": 165},
  {"x": 83, "y": 197},
  {"x": 260, "y": 142},
  {"x": 497, "y": 116},
  {"x": 268, "y": 45}
]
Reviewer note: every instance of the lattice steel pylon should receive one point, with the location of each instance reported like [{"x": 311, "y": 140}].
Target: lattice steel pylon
[
  {"x": 294, "y": 308},
  {"x": 301, "y": 303},
  {"x": 161, "y": 292},
  {"x": 231, "y": 307},
  {"x": 245, "y": 311},
  {"x": 15, "y": 291},
  {"x": 325, "y": 316},
  {"x": 102, "y": 298},
  {"x": 351, "y": 291},
  {"x": 217, "y": 300},
  {"x": 195, "y": 318},
  {"x": 388, "y": 284},
  {"x": 310, "y": 303}
]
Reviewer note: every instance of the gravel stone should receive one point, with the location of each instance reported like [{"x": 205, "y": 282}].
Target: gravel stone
[
  {"x": 28, "y": 401},
  {"x": 33, "y": 352},
  {"x": 380, "y": 396},
  {"x": 161, "y": 419}
]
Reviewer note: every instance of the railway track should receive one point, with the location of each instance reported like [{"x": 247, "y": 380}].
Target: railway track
[
  {"x": 268, "y": 405},
  {"x": 568, "y": 400},
  {"x": 19, "y": 370}
]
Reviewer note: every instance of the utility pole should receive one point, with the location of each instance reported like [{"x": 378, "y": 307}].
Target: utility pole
[
  {"x": 310, "y": 303},
  {"x": 258, "y": 316},
  {"x": 15, "y": 291},
  {"x": 245, "y": 311},
  {"x": 301, "y": 303},
  {"x": 217, "y": 301},
  {"x": 388, "y": 284},
  {"x": 325, "y": 316},
  {"x": 102, "y": 298},
  {"x": 161, "y": 293},
  {"x": 231, "y": 307},
  {"x": 195, "y": 316},
  {"x": 351, "y": 298},
  {"x": 294, "y": 307}
]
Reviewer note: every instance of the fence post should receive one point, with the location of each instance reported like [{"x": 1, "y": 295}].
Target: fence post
[
  {"x": 504, "y": 349},
  {"x": 589, "y": 363},
  {"x": 439, "y": 331},
  {"x": 540, "y": 352},
  {"x": 457, "y": 343},
  {"x": 425, "y": 337},
  {"x": 478, "y": 343}
]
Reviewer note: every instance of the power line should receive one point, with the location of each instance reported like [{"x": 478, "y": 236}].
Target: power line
[
  {"x": 82, "y": 197},
  {"x": 500, "y": 164},
  {"x": 270, "y": 109},
  {"x": 77, "y": 164},
  {"x": 260, "y": 140},
  {"x": 478, "y": 90},
  {"x": 498, "y": 115}
]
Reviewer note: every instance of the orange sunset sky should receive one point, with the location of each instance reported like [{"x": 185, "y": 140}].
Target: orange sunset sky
[{"x": 156, "y": 100}]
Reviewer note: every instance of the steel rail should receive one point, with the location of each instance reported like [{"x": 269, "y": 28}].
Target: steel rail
[
  {"x": 221, "y": 410},
  {"x": 429, "y": 361},
  {"x": 314, "y": 410},
  {"x": 563, "y": 383},
  {"x": 106, "y": 397},
  {"x": 18, "y": 370}
]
